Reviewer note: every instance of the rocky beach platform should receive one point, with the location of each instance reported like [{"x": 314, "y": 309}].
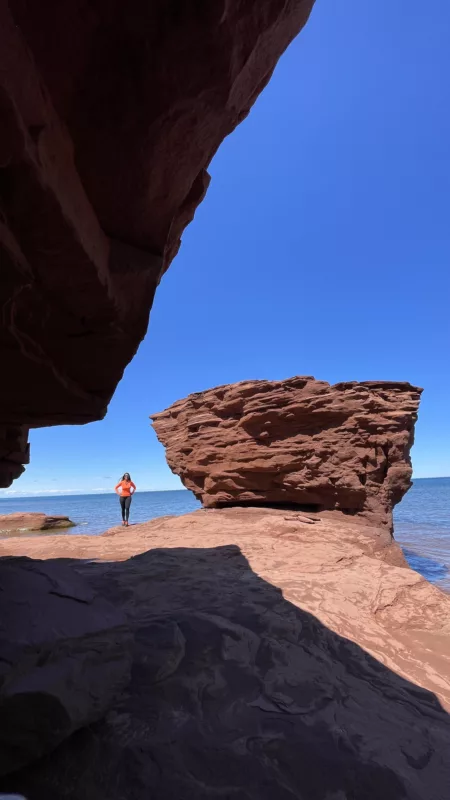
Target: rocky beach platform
[{"x": 273, "y": 654}]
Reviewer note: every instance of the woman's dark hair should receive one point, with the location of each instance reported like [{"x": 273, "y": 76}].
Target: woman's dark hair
[{"x": 126, "y": 473}]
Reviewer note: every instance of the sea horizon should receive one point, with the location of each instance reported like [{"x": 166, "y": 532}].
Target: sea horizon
[
  {"x": 78, "y": 493},
  {"x": 14, "y": 495}
]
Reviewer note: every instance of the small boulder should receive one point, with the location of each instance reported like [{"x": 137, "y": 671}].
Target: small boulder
[{"x": 32, "y": 521}]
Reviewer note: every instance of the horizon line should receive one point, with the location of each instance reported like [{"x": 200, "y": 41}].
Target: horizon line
[
  {"x": 12, "y": 495},
  {"x": 71, "y": 492}
]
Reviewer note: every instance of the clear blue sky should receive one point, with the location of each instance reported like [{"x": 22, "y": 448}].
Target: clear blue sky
[{"x": 322, "y": 248}]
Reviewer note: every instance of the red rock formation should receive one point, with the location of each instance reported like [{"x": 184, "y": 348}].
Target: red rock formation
[
  {"x": 35, "y": 521},
  {"x": 272, "y": 659},
  {"x": 298, "y": 441},
  {"x": 109, "y": 116}
]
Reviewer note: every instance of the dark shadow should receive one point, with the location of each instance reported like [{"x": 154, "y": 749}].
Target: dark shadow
[
  {"x": 307, "y": 508},
  {"x": 431, "y": 569},
  {"x": 238, "y": 694}
]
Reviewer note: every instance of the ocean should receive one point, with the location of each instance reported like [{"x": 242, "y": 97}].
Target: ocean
[
  {"x": 95, "y": 513},
  {"x": 422, "y": 527},
  {"x": 422, "y": 520}
]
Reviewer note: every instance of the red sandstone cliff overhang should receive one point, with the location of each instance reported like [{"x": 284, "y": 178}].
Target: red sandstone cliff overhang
[{"x": 109, "y": 116}]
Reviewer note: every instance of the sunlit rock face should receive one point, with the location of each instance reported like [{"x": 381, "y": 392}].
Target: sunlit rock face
[{"x": 298, "y": 442}]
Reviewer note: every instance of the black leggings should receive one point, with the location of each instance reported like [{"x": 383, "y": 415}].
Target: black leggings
[{"x": 125, "y": 503}]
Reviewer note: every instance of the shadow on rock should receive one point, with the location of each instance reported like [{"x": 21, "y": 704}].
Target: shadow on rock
[{"x": 237, "y": 693}]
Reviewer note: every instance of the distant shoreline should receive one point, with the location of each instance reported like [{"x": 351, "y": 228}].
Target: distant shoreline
[
  {"x": 76, "y": 493},
  {"x": 434, "y": 478}
]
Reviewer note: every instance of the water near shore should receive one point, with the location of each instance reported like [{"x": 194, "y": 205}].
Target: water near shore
[
  {"x": 95, "y": 513},
  {"x": 422, "y": 520},
  {"x": 422, "y": 527}
]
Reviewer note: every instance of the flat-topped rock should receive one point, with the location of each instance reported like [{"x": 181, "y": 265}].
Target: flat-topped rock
[
  {"x": 298, "y": 442},
  {"x": 32, "y": 521}
]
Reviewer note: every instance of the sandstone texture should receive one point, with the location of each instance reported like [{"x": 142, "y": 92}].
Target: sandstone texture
[
  {"x": 110, "y": 113},
  {"x": 275, "y": 655},
  {"x": 64, "y": 656},
  {"x": 298, "y": 441},
  {"x": 33, "y": 521}
]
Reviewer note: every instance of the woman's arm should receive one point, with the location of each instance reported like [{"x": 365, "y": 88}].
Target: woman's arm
[
  {"x": 118, "y": 487},
  {"x": 134, "y": 487}
]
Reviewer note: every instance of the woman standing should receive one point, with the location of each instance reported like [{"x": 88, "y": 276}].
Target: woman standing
[{"x": 125, "y": 489}]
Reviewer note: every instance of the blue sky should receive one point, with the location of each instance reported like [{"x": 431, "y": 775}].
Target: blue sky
[{"x": 322, "y": 248}]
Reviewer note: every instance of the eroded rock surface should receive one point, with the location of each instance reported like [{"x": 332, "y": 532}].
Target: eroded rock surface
[
  {"x": 64, "y": 657},
  {"x": 33, "y": 521},
  {"x": 298, "y": 441},
  {"x": 276, "y": 655},
  {"x": 109, "y": 117}
]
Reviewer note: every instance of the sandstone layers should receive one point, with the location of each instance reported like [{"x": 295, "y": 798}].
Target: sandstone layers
[
  {"x": 275, "y": 655},
  {"x": 298, "y": 441},
  {"x": 110, "y": 113}
]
